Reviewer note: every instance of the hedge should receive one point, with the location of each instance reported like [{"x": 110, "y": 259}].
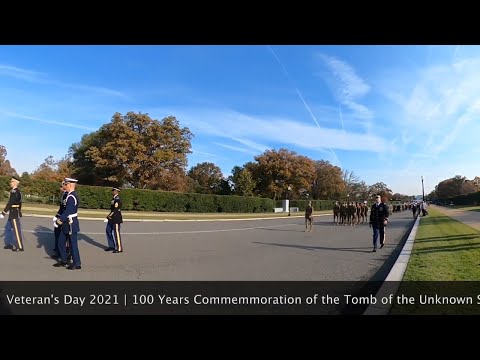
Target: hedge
[
  {"x": 96, "y": 197},
  {"x": 470, "y": 199}
]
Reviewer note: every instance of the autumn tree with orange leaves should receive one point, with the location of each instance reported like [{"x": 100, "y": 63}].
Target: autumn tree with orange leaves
[
  {"x": 274, "y": 171},
  {"x": 136, "y": 150}
]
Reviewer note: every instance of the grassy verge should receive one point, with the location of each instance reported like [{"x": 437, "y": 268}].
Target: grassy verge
[
  {"x": 37, "y": 209},
  {"x": 445, "y": 258}
]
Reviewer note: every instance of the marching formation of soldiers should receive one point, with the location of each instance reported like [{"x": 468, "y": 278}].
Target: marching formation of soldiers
[
  {"x": 350, "y": 213},
  {"x": 65, "y": 224}
]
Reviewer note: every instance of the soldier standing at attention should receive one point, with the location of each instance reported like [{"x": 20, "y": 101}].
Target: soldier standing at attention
[
  {"x": 113, "y": 220},
  {"x": 68, "y": 221},
  {"x": 14, "y": 210},
  {"x": 378, "y": 220}
]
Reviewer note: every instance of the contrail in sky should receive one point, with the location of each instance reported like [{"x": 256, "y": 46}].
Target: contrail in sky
[{"x": 300, "y": 96}]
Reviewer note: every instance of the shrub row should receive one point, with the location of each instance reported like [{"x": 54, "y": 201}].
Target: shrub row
[
  {"x": 470, "y": 199},
  {"x": 95, "y": 197}
]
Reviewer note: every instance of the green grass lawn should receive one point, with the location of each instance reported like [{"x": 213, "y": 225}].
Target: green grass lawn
[
  {"x": 444, "y": 261},
  {"x": 40, "y": 209},
  {"x": 444, "y": 250}
]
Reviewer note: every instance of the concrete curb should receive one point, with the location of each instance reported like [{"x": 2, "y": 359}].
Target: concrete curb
[
  {"x": 177, "y": 220},
  {"x": 395, "y": 275}
]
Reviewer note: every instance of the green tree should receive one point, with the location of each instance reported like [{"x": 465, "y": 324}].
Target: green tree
[
  {"x": 83, "y": 166},
  {"x": 207, "y": 176},
  {"x": 245, "y": 184}
]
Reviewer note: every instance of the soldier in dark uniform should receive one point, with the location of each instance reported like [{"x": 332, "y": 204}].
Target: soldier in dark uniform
[
  {"x": 113, "y": 220},
  {"x": 13, "y": 225},
  {"x": 336, "y": 212},
  {"x": 69, "y": 224},
  {"x": 378, "y": 220},
  {"x": 57, "y": 229},
  {"x": 309, "y": 217}
]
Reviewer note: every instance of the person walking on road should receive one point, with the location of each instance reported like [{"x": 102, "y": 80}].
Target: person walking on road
[
  {"x": 309, "y": 217},
  {"x": 378, "y": 220}
]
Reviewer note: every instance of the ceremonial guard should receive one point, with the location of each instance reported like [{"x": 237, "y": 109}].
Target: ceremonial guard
[
  {"x": 69, "y": 224},
  {"x": 57, "y": 229},
  {"x": 113, "y": 220},
  {"x": 14, "y": 210}
]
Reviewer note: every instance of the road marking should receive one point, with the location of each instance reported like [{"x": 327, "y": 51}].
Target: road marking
[
  {"x": 168, "y": 232},
  {"x": 82, "y": 218}
]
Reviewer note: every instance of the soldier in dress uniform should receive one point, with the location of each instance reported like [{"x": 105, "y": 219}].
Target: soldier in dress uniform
[
  {"x": 113, "y": 220},
  {"x": 57, "y": 229},
  {"x": 13, "y": 227},
  {"x": 70, "y": 225}
]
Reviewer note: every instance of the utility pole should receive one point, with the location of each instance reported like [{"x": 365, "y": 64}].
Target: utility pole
[{"x": 423, "y": 191}]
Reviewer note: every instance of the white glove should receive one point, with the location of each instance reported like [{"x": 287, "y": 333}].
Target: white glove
[
  {"x": 1, "y": 216},
  {"x": 55, "y": 224},
  {"x": 106, "y": 220},
  {"x": 54, "y": 218}
]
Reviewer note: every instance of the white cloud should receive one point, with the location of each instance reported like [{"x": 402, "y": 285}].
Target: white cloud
[
  {"x": 42, "y": 78},
  {"x": 235, "y": 148},
  {"x": 52, "y": 122},
  {"x": 251, "y": 130},
  {"x": 347, "y": 86}
]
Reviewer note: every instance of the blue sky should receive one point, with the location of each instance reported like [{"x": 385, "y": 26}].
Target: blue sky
[{"x": 389, "y": 113}]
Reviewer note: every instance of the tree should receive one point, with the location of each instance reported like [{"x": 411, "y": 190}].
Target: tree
[
  {"x": 83, "y": 166},
  {"x": 138, "y": 150},
  {"x": 350, "y": 181},
  {"x": 274, "y": 171},
  {"x": 53, "y": 170},
  {"x": 328, "y": 183},
  {"x": 26, "y": 179},
  {"x": 207, "y": 176},
  {"x": 380, "y": 188},
  {"x": 5, "y": 167},
  {"x": 400, "y": 197},
  {"x": 47, "y": 171},
  {"x": 244, "y": 183},
  {"x": 458, "y": 185}
]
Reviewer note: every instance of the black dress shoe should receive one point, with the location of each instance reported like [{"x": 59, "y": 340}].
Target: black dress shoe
[
  {"x": 8, "y": 247},
  {"x": 16, "y": 250},
  {"x": 116, "y": 251},
  {"x": 72, "y": 267},
  {"x": 61, "y": 264},
  {"x": 109, "y": 249}
]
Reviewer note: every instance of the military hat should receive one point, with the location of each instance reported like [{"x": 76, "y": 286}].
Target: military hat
[
  {"x": 69, "y": 180},
  {"x": 116, "y": 189}
]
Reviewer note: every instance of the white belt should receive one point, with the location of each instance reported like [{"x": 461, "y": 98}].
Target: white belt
[{"x": 70, "y": 217}]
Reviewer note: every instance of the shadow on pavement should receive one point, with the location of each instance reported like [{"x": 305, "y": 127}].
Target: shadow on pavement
[
  {"x": 46, "y": 240},
  {"x": 83, "y": 237},
  {"x": 312, "y": 248}
]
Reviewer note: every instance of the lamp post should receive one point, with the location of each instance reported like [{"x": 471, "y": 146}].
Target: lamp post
[
  {"x": 289, "y": 196},
  {"x": 423, "y": 191}
]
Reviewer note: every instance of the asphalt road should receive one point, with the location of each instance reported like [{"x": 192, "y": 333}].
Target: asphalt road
[{"x": 273, "y": 250}]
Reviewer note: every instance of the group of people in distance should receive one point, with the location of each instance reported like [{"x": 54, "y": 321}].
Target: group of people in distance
[{"x": 378, "y": 220}]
